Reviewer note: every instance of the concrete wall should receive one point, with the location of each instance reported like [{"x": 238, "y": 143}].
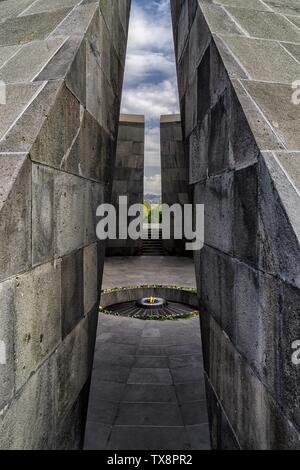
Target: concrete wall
[
  {"x": 174, "y": 173},
  {"x": 129, "y": 176},
  {"x": 236, "y": 62},
  {"x": 63, "y": 67}
]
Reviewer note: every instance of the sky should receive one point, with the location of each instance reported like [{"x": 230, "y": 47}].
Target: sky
[{"x": 150, "y": 82}]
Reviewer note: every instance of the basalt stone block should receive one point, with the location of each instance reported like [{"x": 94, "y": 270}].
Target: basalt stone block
[
  {"x": 257, "y": 317},
  {"x": 222, "y": 434},
  {"x": 28, "y": 28},
  {"x": 6, "y": 52},
  {"x": 217, "y": 194},
  {"x": 58, "y": 131},
  {"x": 78, "y": 21},
  {"x": 218, "y": 19},
  {"x": 239, "y": 390},
  {"x": 70, "y": 432},
  {"x": 191, "y": 109},
  {"x": 217, "y": 275},
  {"x": 43, "y": 5},
  {"x": 43, "y": 214},
  {"x": 15, "y": 210},
  {"x": 203, "y": 97},
  {"x": 289, "y": 375},
  {"x": 95, "y": 195},
  {"x": 275, "y": 100},
  {"x": 7, "y": 292},
  {"x": 198, "y": 41},
  {"x": 279, "y": 222},
  {"x": 70, "y": 211},
  {"x": 263, "y": 60},
  {"x": 17, "y": 99},
  {"x": 246, "y": 219},
  {"x": 37, "y": 317},
  {"x": 13, "y": 7},
  {"x": 100, "y": 43},
  {"x": 27, "y": 63},
  {"x": 90, "y": 154},
  {"x": 28, "y": 422},
  {"x": 219, "y": 156},
  {"x": 244, "y": 109},
  {"x": 73, "y": 368},
  {"x": 243, "y": 144},
  {"x": 24, "y": 133},
  {"x": 219, "y": 78},
  {"x": 90, "y": 275},
  {"x": 266, "y": 25},
  {"x": 183, "y": 31},
  {"x": 72, "y": 289},
  {"x": 232, "y": 66}
]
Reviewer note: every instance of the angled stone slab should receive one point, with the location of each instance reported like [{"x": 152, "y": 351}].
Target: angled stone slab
[
  {"x": 275, "y": 101},
  {"x": 23, "y": 134},
  {"x": 7, "y": 292},
  {"x": 295, "y": 20},
  {"x": 218, "y": 19},
  {"x": 77, "y": 22},
  {"x": 72, "y": 291},
  {"x": 266, "y": 25},
  {"x": 265, "y": 136},
  {"x": 279, "y": 221},
  {"x": 18, "y": 98},
  {"x": 43, "y": 214},
  {"x": 28, "y": 423},
  {"x": 234, "y": 69},
  {"x": 29, "y": 61},
  {"x": 290, "y": 162},
  {"x": 30, "y": 28},
  {"x": 294, "y": 49},
  {"x": 15, "y": 210},
  {"x": 6, "y": 52},
  {"x": 38, "y": 318},
  {"x": 264, "y": 60},
  {"x": 249, "y": 4},
  {"x": 72, "y": 368},
  {"x": 42, "y": 6},
  {"x": 11, "y": 8},
  {"x": 58, "y": 131},
  {"x": 287, "y": 7}
]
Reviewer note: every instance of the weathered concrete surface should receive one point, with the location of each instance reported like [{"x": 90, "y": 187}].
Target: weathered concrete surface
[
  {"x": 62, "y": 63},
  {"x": 236, "y": 62},
  {"x": 128, "y": 179},
  {"x": 174, "y": 173}
]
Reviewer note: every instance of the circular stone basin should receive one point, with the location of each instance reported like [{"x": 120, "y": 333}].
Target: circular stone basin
[{"x": 151, "y": 303}]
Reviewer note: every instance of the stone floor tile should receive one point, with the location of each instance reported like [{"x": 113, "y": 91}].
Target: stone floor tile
[
  {"x": 199, "y": 437},
  {"x": 149, "y": 414},
  {"x": 96, "y": 436},
  {"x": 150, "y": 438},
  {"x": 194, "y": 413},
  {"x": 135, "y": 393},
  {"x": 150, "y": 376}
]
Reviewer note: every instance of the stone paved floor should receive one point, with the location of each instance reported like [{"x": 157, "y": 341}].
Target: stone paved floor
[
  {"x": 147, "y": 389},
  {"x": 132, "y": 270}
]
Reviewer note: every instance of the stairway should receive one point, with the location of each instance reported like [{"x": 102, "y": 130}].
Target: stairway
[{"x": 152, "y": 242}]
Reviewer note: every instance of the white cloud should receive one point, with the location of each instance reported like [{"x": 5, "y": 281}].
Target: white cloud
[
  {"x": 151, "y": 99},
  {"x": 141, "y": 65},
  {"x": 149, "y": 31},
  {"x": 152, "y": 185}
]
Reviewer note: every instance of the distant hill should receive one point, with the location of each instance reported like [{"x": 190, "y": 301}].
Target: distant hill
[{"x": 153, "y": 198}]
